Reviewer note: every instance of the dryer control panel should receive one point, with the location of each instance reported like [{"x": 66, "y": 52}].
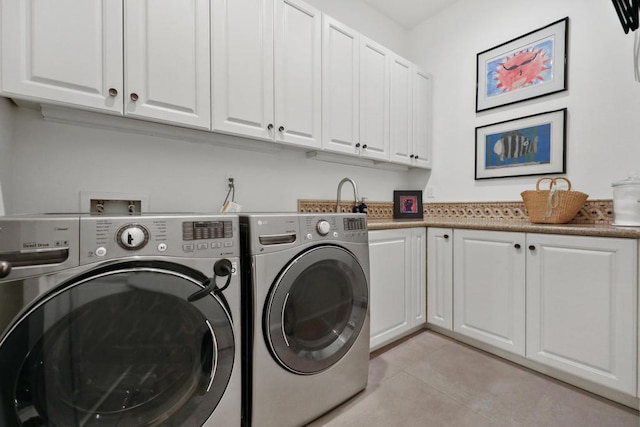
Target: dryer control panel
[
  {"x": 192, "y": 236},
  {"x": 342, "y": 227}
]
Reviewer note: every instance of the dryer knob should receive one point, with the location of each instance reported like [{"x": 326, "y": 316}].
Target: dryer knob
[
  {"x": 5, "y": 269},
  {"x": 323, "y": 227},
  {"x": 133, "y": 236}
]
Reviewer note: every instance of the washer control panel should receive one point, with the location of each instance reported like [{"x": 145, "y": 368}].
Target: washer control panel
[{"x": 193, "y": 236}]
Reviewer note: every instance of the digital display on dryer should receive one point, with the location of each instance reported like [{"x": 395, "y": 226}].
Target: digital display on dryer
[
  {"x": 204, "y": 230},
  {"x": 351, "y": 224}
]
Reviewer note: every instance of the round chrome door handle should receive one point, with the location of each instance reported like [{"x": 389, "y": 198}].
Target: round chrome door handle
[
  {"x": 281, "y": 129},
  {"x": 270, "y": 126},
  {"x": 113, "y": 92},
  {"x": 134, "y": 97}
]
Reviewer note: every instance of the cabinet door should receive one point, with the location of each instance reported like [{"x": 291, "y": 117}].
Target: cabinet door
[
  {"x": 421, "y": 118},
  {"x": 489, "y": 287},
  {"x": 375, "y": 69},
  {"x": 167, "y": 61},
  {"x": 440, "y": 277},
  {"x": 66, "y": 52},
  {"x": 242, "y": 61},
  {"x": 418, "y": 276},
  {"x": 298, "y": 96},
  {"x": 390, "y": 288},
  {"x": 340, "y": 87},
  {"x": 582, "y": 307},
  {"x": 401, "y": 111}
]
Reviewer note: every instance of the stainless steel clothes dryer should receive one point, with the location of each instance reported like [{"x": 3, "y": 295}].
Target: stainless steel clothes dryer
[
  {"x": 307, "y": 299},
  {"x": 120, "y": 321}
]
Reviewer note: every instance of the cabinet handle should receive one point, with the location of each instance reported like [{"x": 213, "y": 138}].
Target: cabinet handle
[
  {"x": 412, "y": 156},
  {"x": 532, "y": 248},
  {"x": 358, "y": 145},
  {"x": 134, "y": 97},
  {"x": 113, "y": 92},
  {"x": 364, "y": 146},
  {"x": 270, "y": 126},
  {"x": 517, "y": 246},
  {"x": 281, "y": 128},
  {"x": 446, "y": 236},
  {"x": 416, "y": 157}
]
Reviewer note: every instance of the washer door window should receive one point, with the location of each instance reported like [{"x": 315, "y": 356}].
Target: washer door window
[
  {"x": 119, "y": 348},
  {"x": 316, "y": 309}
]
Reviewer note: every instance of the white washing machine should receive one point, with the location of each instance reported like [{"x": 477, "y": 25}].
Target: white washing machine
[
  {"x": 305, "y": 278},
  {"x": 120, "y": 321}
]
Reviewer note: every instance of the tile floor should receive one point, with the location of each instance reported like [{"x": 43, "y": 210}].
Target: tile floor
[{"x": 431, "y": 380}]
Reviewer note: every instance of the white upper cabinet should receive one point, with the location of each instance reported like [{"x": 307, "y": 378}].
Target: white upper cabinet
[
  {"x": 340, "y": 87},
  {"x": 242, "y": 42},
  {"x": 267, "y": 70},
  {"x": 421, "y": 119},
  {"x": 375, "y": 68},
  {"x": 410, "y": 114},
  {"x": 167, "y": 61},
  {"x": 78, "y": 53},
  {"x": 298, "y": 73},
  {"x": 401, "y": 96},
  {"x": 65, "y": 52}
]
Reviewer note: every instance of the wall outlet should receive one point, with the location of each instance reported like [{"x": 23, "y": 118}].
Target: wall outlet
[
  {"x": 431, "y": 192},
  {"x": 113, "y": 203}
]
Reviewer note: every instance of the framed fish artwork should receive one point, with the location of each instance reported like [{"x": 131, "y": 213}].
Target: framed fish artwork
[
  {"x": 527, "y": 67},
  {"x": 531, "y": 145}
]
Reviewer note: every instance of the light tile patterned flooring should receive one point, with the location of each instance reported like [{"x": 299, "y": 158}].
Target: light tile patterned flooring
[{"x": 431, "y": 380}]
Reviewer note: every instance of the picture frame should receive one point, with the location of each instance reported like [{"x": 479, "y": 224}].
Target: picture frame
[
  {"x": 407, "y": 204},
  {"x": 530, "y": 145},
  {"x": 527, "y": 67}
]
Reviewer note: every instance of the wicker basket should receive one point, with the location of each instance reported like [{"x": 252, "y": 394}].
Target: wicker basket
[{"x": 552, "y": 206}]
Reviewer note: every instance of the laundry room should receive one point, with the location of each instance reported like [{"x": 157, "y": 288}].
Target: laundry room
[{"x": 270, "y": 104}]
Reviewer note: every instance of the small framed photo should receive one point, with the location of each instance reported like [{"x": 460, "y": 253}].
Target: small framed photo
[
  {"x": 531, "y": 145},
  {"x": 407, "y": 204},
  {"x": 527, "y": 67}
]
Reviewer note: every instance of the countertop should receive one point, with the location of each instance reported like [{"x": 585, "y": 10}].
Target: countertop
[{"x": 599, "y": 230}]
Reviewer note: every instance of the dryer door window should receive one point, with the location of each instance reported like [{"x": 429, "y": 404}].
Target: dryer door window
[
  {"x": 317, "y": 307},
  {"x": 120, "y": 347}
]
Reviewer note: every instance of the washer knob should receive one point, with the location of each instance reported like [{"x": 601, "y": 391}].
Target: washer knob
[
  {"x": 133, "y": 236},
  {"x": 323, "y": 227}
]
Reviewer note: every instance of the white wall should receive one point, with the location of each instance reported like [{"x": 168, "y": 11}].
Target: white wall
[
  {"x": 54, "y": 162},
  {"x": 6, "y": 137},
  {"x": 603, "y": 100}
]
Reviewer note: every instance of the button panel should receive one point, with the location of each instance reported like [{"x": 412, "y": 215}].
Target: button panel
[{"x": 198, "y": 236}]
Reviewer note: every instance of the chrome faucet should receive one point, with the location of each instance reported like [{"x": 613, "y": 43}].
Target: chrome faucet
[{"x": 355, "y": 193}]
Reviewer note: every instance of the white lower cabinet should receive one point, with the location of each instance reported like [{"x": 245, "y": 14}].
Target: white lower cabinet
[
  {"x": 397, "y": 288},
  {"x": 569, "y": 303},
  {"x": 582, "y": 307},
  {"x": 440, "y": 277},
  {"x": 489, "y": 288}
]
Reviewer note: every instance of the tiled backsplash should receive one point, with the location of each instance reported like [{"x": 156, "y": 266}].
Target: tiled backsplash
[{"x": 598, "y": 211}]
